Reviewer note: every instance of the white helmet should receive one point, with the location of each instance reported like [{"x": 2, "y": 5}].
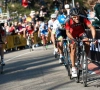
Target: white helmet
[{"x": 53, "y": 15}]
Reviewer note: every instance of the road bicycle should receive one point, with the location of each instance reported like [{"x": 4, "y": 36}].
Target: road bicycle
[
  {"x": 67, "y": 61},
  {"x": 66, "y": 51},
  {"x": 82, "y": 62},
  {"x": 30, "y": 43},
  {"x": 56, "y": 45}
]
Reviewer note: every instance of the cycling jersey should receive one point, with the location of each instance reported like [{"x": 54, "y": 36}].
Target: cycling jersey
[
  {"x": 76, "y": 29},
  {"x": 58, "y": 30},
  {"x": 43, "y": 29},
  {"x": 29, "y": 29},
  {"x": 50, "y": 24}
]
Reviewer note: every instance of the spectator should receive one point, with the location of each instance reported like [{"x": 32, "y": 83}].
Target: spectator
[
  {"x": 91, "y": 15},
  {"x": 96, "y": 23},
  {"x": 97, "y": 9},
  {"x": 20, "y": 18},
  {"x": 83, "y": 11},
  {"x": 16, "y": 27},
  {"x": 29, "y": 4},
  {"x": 12, "y": 29},
  {"x": 6, "y": 27},
  {"x": 67, "y": 7},
  {"x": 37, "y": 16},
  {"x": 55, "y": 4},
  {"x": 42, "y": 2},
  {"x": 33, "y": 19},
  {"x": 22, "y": 29}
]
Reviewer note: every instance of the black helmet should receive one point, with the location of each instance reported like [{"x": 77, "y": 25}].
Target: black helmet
[{"x": 74, "y": 12}]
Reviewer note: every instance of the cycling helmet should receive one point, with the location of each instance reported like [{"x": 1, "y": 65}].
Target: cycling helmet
[
  {"x": 61, "y": 19},
  {"x": 53, "y": 15},
  {"x": 74, "y": 12}
]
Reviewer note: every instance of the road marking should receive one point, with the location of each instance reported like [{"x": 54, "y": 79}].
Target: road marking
[{"x": 16, "y": 56}]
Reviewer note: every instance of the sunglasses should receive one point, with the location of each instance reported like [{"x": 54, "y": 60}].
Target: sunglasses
[
  {"x": 53, "y": 18},
  {"x": 75, "y": 16}
]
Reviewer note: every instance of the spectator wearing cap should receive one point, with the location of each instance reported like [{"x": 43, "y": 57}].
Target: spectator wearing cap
[{"x": 67, "y": 7}]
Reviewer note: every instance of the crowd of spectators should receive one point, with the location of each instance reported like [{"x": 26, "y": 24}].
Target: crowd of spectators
[{"x": 30, "y": 23}]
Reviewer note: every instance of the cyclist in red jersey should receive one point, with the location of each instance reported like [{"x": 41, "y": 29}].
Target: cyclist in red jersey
[
  {"x": 75, "y": 28},
  {"x": 30, "y": 32}
]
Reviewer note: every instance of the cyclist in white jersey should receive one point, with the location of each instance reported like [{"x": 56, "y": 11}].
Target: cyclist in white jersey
[
  {"x": 57, "y": 31},
  {"x": 50, "y": 29}
]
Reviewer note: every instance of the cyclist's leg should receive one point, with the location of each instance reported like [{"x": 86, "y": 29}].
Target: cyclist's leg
[
  {"x": 53, "y": 38},
  {"x": 32, "y": 39},
  {"x": 43, "y": 37},
  {"x": 46, "y": 36},
  {"x": 72, "y": 47},
  {"x": 87, "y": 44},
  {"x": 72, "y": 53},
  {"x": 60, "y": 45}
]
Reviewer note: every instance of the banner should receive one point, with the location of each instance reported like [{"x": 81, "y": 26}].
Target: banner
[{"x": 14, "y": 41}]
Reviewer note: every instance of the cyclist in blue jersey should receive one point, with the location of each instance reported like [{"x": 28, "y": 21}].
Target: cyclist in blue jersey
[
  {"x": 43, "y": 31},
  {"x": 60, "y": 33}
]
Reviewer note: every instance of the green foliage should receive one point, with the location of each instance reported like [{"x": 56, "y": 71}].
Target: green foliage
[{"x": 19, "y": 8}]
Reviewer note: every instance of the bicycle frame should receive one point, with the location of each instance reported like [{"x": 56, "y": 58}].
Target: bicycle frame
[{"x": 81, "y": 63}]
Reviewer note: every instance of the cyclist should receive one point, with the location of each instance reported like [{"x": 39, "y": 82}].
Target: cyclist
[
  {"x": 50, "y": 29},
  {"x": 43, "y": 31},
  {"x": 75, "y": 28},
  {"x": 2, "y": 41},
  {"x": 60, "y": 33},
  {"x": 30, "y": 31}
]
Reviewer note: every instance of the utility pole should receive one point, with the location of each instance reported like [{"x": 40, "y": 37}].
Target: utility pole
[
  {"x": 73, "y": 3},
  {"x": 63, "y": 4}
]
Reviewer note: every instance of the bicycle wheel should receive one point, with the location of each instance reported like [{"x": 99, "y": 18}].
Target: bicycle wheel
[
  {"x": 84, "y": 69},
  {"x": 78, "y": 71},
  {"x": 67, "y": 62},
  {"x": 30, "y": 45}
]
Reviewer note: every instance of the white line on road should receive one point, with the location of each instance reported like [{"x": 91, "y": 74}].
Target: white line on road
[{"x": 16, "y": 56}]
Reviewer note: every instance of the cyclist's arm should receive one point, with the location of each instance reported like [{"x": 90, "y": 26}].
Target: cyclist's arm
[
  {"x": 89, "y": 25},
  {"x": 67, "y": 27},
  {"x": 69, "y": 34},
  {"x": 93, "y": 31},
  {"x": 49, "y": 29}
]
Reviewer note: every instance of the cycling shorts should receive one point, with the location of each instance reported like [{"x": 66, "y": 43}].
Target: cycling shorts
[
  {"x": 83, "y": 36},
  {"x": 44, "y": 32},
  {"x": 61, "y": 34}
]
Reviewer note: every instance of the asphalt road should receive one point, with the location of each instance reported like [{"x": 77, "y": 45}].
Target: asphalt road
[{"x": 39, "y": 70}]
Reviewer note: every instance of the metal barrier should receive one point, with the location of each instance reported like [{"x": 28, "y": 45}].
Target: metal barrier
[{"x": 94, "y": 49}]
